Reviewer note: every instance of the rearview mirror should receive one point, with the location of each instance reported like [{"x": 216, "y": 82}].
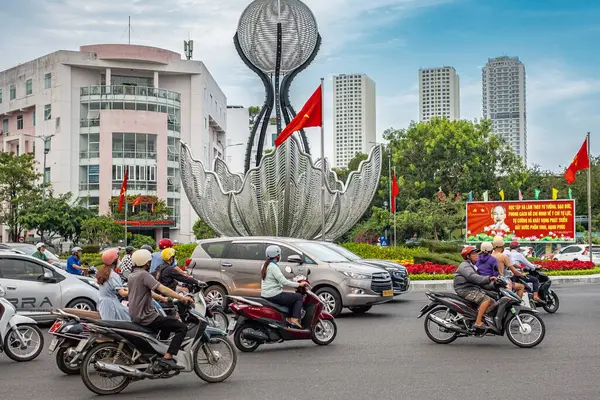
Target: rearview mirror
[{"x": 294, "y": 258}]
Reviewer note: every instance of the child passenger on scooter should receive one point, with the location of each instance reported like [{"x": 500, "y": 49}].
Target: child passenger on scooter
[{"x": 273, "y": 283}]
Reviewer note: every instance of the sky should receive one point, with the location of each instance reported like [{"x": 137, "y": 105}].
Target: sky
[{"x": 389, "y": 40}]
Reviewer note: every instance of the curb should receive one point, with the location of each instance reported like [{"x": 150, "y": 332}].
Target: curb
[{"x": 446, "y": 285}]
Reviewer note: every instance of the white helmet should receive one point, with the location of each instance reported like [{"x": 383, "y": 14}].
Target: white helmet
[
  {"x": 273, "y": 251},
  {"x": 141, "y": 257},
  {"x": 40, "y": 245},
  {"x": 486, "y": 247}
]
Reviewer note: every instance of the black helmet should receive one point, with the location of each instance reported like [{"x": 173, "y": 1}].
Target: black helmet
[
  {"x": 147, "y": 247},
  {"x": 129, "y": 249}
]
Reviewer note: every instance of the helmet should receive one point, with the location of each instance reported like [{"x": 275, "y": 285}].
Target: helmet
[
  {"x": 110, "y": 256},
  {"x": 467, "y": 251},
  {"x": 76, "y": 250},
  {"x": 514, "y": 244},
  {"x": 129, "y": 249},
  {"x": 167, "y": 254},
  {"x": 486, "y": 247},
  {"x": 165, "y": 244},
  {"x": 141, "y": 257},
  {"x": 273, "y": 251},
  {"x": 498, "y": 242},
  {"x": 40, "y": 245},
  {"x": 147, "y": 247}
]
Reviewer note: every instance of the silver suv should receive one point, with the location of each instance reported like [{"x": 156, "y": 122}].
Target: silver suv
[
  {"x": 231, "y": 266},
  {"x": 35, "y": 287}
]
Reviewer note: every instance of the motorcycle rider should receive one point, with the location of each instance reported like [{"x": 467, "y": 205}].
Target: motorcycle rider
[
  {"x": 74, "y": 262},
  {"x": 156, "y": 256},
  {"x": 506, "y": 267},
  {"x": 126, "y": 263},
  {"x": 109, "y": 306},
  {"x": 168, "y": 273},
  {"x": 519, "y": 259},
  {"x": 39, "y": 254},
  {"x": 141, "y": 285},
  {"x": 468, "y": 284},
  {"x": 272, "y": 284}
]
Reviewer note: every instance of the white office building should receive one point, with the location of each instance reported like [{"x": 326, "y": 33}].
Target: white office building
[
  {"x": 238, "y": 132},
  {"x": 439, "y": 93},
  {"x": 504, "y": 101},
  {"x": 354, "y": 106}
]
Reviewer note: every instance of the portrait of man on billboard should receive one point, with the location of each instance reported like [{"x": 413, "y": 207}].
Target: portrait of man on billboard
[{"x": 499, "y": 216}]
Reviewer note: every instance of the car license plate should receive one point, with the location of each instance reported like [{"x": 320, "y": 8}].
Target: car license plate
[
  {"x": 53, "y": 345},
  {"x": 232, "y": 324},
  {"x": 387, "y": 293}
]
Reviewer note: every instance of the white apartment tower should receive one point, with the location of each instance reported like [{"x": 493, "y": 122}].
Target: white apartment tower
[
  {"x": 504, "y": 101},
  {"x": 354, "y": 105},
  {"x": 439, "y": 93}
]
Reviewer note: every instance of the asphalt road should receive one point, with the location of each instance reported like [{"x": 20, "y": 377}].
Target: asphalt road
[{"x": 384, "y": 354}]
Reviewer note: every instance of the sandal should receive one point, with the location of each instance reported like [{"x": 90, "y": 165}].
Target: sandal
[{"x": 482, "y": 327}]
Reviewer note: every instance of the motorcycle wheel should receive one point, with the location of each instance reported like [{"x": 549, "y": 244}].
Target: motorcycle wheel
[
  {"x": 324, "y": 332},
  {"x": 430, "y": 325},
  {"x": 517, "y": 335},
  {"x": 224, "y": 365},
  {"x": 220, "y": 320},
  {"x": 34, "y": 343},
  {"x": 102, "y": 351},
  {"x": 63, "y": 364},
  {"x": 552, "y": 303},
  {"x": 243, "y": 344}
]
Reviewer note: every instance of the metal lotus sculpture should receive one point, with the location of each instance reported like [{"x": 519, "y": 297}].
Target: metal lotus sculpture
[{"x": 280, "y": 197}]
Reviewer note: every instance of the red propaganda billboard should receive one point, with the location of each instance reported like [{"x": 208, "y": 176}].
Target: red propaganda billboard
[{"x": 525, "y": 221}]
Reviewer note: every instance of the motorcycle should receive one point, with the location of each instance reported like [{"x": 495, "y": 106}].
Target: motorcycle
[
  {"x": 125, "y": 352},
  {"x": 20, "y": 338},
  {"x": 550, "y": 299},
  {"x": 453, "y": 317},
  {"x": 214, "y": 314},
  {"x": 259, "y": 321}
]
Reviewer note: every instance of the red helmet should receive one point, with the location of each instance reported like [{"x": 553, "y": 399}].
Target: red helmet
[
  {"x": 467, "y": 251},
  {"x": 165, "y": 244},
  {"x": 514, "y": 244}
]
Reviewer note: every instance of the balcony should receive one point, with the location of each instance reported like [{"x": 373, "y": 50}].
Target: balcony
[
  {"x": 144, "y": 186},
  {"x": 88, "y": 154},
  {"x": 121, "y": 92},
  {"x": 87, "y": 187},
  {"x": 143, "y": 155}
]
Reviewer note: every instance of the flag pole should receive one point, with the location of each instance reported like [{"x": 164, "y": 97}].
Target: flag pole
[
  {"x": 589, "y": 196},
  {"x": 323, "y": 180},
  {"x": 125, "y": 243},
  {"x": 395, "y": 214}
]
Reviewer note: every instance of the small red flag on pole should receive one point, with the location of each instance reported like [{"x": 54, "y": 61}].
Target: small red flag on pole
[
  {"x": 395, "y": 192},
  {"x": 123, "y": 190},
  {"x": 580, "y": 162},
  {"x": 311, "y": 115}
]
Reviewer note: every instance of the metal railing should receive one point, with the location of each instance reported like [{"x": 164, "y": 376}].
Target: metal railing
[
  {"x": 133, "y": 185},
  {"x": 174, "y": 188},
  {"x": 148, "y": 155},
  {"x": 89, "y": 186},
  {"x": 122, "y": 90},
  {"x": 89, "y": 154},
  {"x": 89, "y": 123}
]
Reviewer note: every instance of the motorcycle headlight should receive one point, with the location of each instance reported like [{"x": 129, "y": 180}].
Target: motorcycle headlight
[{"x": 355, "y": 275}]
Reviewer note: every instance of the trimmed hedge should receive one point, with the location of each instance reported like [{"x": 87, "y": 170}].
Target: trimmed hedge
[
  {"x": 446, "y": 258},
  {"x": 441, "y": 247},
  {"x": 93, "y": 259},
  {"x": 184, "y": 251},
  {"x": 91, "y": 249},
  {"x": 385, "y": 253}
]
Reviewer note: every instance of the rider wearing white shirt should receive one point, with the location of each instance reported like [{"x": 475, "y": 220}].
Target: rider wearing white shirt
[{"x": 519, "y": 259}]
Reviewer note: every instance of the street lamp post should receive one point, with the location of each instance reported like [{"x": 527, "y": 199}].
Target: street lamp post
[
  {"x": 46, "y": 139},
  {"x": 230, "y": 145}
]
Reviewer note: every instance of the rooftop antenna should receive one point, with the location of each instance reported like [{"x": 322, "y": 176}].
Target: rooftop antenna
[
  {"x": 188, "y": 48},
  {"x": 129, "y": 28}
]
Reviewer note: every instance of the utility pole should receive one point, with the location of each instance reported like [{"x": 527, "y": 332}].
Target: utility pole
[
  {"x": 47, "y": 140},
  {"x": 129, "y": 29}
]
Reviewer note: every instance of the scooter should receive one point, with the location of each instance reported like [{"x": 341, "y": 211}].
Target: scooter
[
  {"x": 259, "y": 321},
  {"x": 20, "y": 338},
  {"x": 550, "y": 299}
]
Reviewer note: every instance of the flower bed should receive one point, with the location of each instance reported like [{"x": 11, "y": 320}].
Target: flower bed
[{"x": 430, "y": 271}]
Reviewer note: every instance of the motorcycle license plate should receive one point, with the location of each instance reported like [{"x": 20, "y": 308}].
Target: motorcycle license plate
[
  {"x": 53, "y": 345},
  {"x": 232, "y": 323},
  {"x": 387, "y": 293}
]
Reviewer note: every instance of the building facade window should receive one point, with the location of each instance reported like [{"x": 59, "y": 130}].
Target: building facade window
[
  {"x": 93, "y": 174},
  {"x": 47, "y": 175},
  {"x": 13, "y": 92},
  {"x": 33, "y": 118},
  {"x": 28, "y": 87},
  {"x": 134, "y": 145},
  {"x": 5, "y": 125},
  {"x": 19, "y": 122},
  {"x": 47, "y": 112},
  {"x": 48, "y": 80},
  {"x": 89, "y": 145}
]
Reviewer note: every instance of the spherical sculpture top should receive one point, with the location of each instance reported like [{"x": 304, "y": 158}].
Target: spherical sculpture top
[{"x": 257, "y": 34}]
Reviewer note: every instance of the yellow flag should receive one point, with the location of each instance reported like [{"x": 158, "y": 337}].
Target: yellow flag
[
  {"x": 554, "y": 194},
  {"x": 502, "y": 194}
]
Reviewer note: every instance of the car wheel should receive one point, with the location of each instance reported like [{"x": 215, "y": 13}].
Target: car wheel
[
  {"x": 82, "y": 304},
  {"x": 360, "y": 310},
  {"x": 332, "y": 300},
  {"x": 216, "y": 294}
]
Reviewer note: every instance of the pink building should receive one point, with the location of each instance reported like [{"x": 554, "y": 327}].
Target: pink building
[{"x": 113, "y": 107}]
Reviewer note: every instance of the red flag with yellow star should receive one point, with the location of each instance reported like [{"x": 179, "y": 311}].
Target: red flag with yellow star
[
  {"x": 123, "y": 189},
  {"x": 581, "y": 161},
  {"x": 311, "y": 115}
]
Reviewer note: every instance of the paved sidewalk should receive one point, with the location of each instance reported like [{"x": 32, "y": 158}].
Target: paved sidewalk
[{"x": 444, "y": 285}]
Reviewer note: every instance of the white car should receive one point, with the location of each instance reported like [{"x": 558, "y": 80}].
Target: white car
[
  {"x": 35, "y": 288},
  {"x": 578, "y": 252}
]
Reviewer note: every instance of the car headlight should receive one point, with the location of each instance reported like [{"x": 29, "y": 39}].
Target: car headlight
[
  {"x": 93, "y": 284},
  {"x": 355, "y": 275},
  {"x": 392, "y": 270}
]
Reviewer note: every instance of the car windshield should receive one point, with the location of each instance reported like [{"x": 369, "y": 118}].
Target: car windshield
[
  {"x": 343, "y": 251},
  {"x": 321, "y": 252},
  {"x": 29, "y": 249}
]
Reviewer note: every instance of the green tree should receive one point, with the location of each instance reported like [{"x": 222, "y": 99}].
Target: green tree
[
  {"x": 17, "y": 189},
  {"x": 101, "y": 230},
  {"x": 140, "y": 240},
  {"x": 456, "y": 156},
  {"x": 55, "y": 216},
  {"x": 202, "y": 230},
  {"x": 253, "y": 112}
]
